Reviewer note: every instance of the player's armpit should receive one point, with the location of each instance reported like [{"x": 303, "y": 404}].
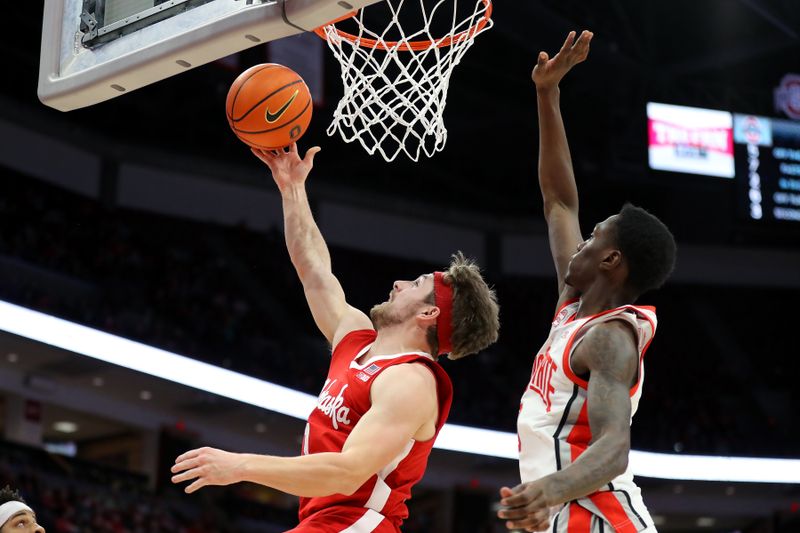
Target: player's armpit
[
  {"x": 564, "y": 235},
  {"x": 332, "y": 314},
  {"x": 404, "y": 408},
  {"x": 352, "y": 319}
]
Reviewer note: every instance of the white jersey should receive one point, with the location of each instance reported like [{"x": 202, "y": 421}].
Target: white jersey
[{"x": 553, "y": 423}]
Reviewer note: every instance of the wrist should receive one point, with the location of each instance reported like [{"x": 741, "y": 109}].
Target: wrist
[
  {"x": 243, "y": 471},
  {"x": 547, "y": 90},
  {"x": 554, "y": 490},
  {"x": 293, "y": 191}
]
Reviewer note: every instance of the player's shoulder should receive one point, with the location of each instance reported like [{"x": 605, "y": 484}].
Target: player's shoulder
[
  {"x": 607, "y": 344},
  {"x": 612, "y": 331},
  {"x": 415, "y": 373},
  {"x": 405, "y": 387},
  {"x": 410, "y": 380},
  {"x": 641, "y": 319}
]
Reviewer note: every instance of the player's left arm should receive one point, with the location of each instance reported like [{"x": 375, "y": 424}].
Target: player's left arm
[
  {"x": 403, "y": 401},
  {"x": 608, "y": 352}
]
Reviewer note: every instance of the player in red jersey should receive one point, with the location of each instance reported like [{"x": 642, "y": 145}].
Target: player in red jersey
[
  {"x": 385, "y": 398},
  {"x": 575, "y": 415}
]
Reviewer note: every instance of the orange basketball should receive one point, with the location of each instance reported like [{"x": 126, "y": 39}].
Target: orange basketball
[{"x": 269, "y": 106}]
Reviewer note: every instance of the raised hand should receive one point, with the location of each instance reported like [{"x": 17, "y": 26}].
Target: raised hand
[
  {"x": 287, "y": 168},
  {"x": 548, "y": 72},
  {"x": 207, "y": 466}
]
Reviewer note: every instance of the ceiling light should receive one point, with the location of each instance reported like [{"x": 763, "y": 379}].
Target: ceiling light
[
  {"x": 145, "y": 395},
  {"x": 12, "y": 357},
  {"x": 65, "y": 426},
  {"x": 215, "y": 380},
  {"x": 706, "y": 521}
]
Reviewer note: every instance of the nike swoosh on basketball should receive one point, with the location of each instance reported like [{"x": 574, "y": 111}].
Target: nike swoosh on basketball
[{"x": 274, "y": 117}]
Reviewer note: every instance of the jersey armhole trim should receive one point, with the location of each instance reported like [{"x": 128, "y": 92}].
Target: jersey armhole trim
[
  {"x": 566, "y": 362},
  {"x": 438, "y": 402},
  {"x": 584, "y": 384},
  {"x": 564, "y": 306},
  {"x": 644, "y": 350}
]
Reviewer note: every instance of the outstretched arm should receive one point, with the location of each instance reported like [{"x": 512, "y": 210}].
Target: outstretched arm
[
  {"x": 556, "y": 177},
  {"x": 403, "y": 404},
  {"x": 307, "y": 249},
  {"x": 608, "y": 353}
]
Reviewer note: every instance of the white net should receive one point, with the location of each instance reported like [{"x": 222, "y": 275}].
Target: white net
[{"x": 396, "y": 79}]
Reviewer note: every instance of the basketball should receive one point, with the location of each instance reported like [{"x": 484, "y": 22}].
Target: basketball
[{"x": 269, "y": 106}]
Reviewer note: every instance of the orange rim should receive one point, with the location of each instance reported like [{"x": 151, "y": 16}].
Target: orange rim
[{"x": 412, "y": 45}]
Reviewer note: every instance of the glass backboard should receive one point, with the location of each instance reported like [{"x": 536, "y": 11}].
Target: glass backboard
[{"x": 95, "y": 50}]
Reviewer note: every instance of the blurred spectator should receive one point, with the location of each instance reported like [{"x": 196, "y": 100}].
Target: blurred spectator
[{"x": 70, "y": 499}]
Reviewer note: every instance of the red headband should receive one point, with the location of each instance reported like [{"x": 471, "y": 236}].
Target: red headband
[{"x": 443, "y": 296}]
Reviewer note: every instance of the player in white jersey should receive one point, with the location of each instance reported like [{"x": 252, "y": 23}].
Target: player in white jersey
[{"x": 575, "y": 415}]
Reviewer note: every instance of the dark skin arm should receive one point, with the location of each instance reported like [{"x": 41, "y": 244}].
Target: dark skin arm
[
  {"x": 556, "y": 176},
  {"x": 608, "y": 354}
]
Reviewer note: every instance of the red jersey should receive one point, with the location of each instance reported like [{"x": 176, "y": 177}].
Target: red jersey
[{"x": 344, "y": 399}]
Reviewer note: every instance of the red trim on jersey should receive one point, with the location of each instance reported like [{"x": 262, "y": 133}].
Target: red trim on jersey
[
  {"x": 581, "y": 434},
  {"x": 582, "y": 383},
  {"x": 613, "y": 512},
  {"x": 644, "y": 350},
  {"x": 564, "y": 306},
  {"x": 580, "y": 519},
  {"x": 568, "y": 348}
]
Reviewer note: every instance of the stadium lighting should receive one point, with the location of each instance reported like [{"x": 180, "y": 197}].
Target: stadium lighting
[{"x": 140, "y": 357}]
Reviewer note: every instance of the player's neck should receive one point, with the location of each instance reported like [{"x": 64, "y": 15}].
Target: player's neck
[
  {"x": 397, "y": 339},
  {"x": 600, "y": 297}
]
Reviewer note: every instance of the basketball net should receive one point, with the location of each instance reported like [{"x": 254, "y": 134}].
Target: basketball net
[{"x": 395, "y": 92}]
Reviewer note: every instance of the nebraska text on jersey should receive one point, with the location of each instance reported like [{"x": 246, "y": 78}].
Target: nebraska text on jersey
[
  {"x": 553, "y": 423},
  {"x": 379, "y": 504},
  {"x": 333, "y": 406}
]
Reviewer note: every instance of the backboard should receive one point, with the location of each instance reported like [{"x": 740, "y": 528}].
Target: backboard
[{"x": 95, "y": 50}]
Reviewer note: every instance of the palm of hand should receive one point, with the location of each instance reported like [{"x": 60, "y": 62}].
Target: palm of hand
[{"x": 549, "y": 72}]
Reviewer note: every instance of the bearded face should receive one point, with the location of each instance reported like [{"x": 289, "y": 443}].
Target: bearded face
[
  {"x": 405, "y": 300},
  {"x": 387, "y": 314}
]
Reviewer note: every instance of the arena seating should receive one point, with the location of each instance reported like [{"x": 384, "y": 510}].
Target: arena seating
[{"x": 715, "y": 383}]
